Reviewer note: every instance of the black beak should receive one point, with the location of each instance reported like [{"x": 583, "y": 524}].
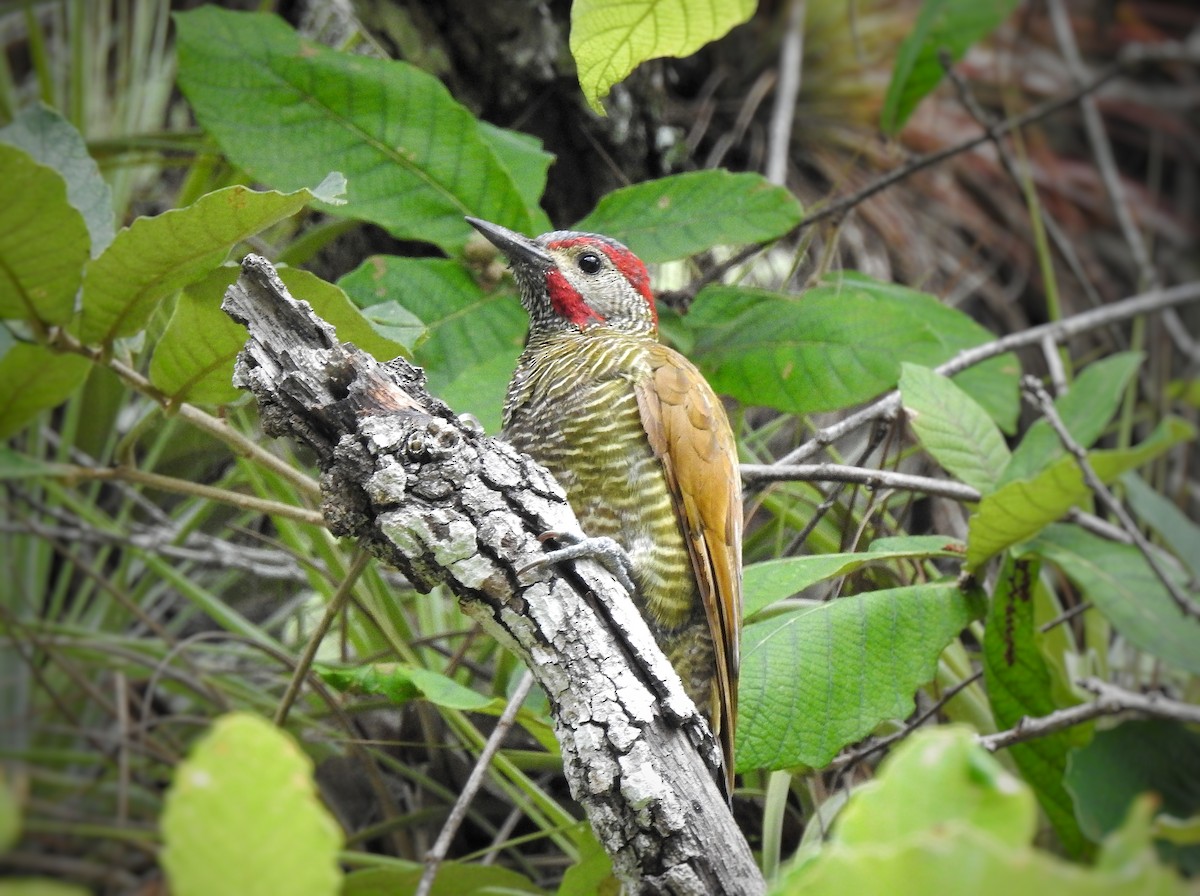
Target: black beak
[{"x": 518, "y": 249}]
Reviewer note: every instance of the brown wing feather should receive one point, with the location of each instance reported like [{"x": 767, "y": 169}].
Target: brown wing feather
[{"x": 690, "y": 435}]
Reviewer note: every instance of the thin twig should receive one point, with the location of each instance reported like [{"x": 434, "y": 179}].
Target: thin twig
[
  {"x": 441, "y": 846},
  {"x": 1110, "y": 700},
  {"x": 1059, "y": 330},
  {"x": 756, "y": 474},
  {"x": 332, "y": 609},
  {"x": 787, "y": 89},
  {"x": 238, "y": 443},
  {"x": 1106, "y": 165},
  {"x": 844, "y": 762},
  {"x": 193, "y": 489},
  {"x": 1041, "y": 399},
  {"x": 1062, "y": 242},
  {"x": 839, "y": 207}
]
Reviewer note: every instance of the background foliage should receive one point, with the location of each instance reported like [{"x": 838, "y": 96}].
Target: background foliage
[{"x": 949, "y": 571}]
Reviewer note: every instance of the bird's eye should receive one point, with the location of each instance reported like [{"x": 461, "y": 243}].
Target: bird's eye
[{"x": 589, "y": 262}]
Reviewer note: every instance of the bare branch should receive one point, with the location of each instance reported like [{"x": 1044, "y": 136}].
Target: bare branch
[
  {"x": 444, "y": 503},
  {"x": 1045, "y": 404},
  {"x": 756, "y": 474},
  {"x": 1059, "y": 331},
  {"x": 1111, "y": 700}
]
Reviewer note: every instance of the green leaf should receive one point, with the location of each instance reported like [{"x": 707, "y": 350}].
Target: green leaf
[
  {"x": 1019, "y": 684},
  {"x": 1117, "y": 579},
  {"x": 775, "y": 580},
  {"x": 592, "y": 874},
  {"x": 243, "y": 816},
  {"x": 154, "y": 257},
  {"x": 53, "y": 141},
  {"x": 994, "y": 383},
  {"x": 939, "y": 777},
  {"x": 677, "y": 216},
  {"x": 1138, "y": 756},
  {"x": 1085, "y": 409},
  {"x": 942, "y": 26},
  {"x": 34, "y": 379},
  {"x": 942, "y": 816},
  {"x": 816, "y": 679},
  {"x": 952, "y": 427},
  {"x": 610, "y": 38},
  {"x": 837, "y": 345},
  {"x": 1178, "y": 532},
  {"x": 402, "y": 684},
  {"x": 527, "y": 162},
  {"x": 1023, "y": 508},
  {"x": 193, "y": 359},
  {"x": 472, "y": 337},
  {"x": 43, "y": 242},
  {"x": 331, "y": 303},
  {"x": 453, "y": 879},
  {"x": 416, "y": 160}
]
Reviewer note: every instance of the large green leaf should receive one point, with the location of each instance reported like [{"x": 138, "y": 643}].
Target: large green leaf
[
  {"x": 193, "y": 359},
  {"x": 1151, "y": 755},
  {"x": 942, "y": 26},
  {"x": 952, "y": 427},
  {"x": 677, "y": 216},
  {"x": 835, "y": 346},
  {"x": 34, "y": 379},
  {"x": 472, "y": 337},
  {"x": 1085, "y": 409},
  {"x": 774, "y": 580},
  {"x": 43, "y": 241},
  {"x": 288, "y": 110},
  {"x": 154, "y": 257},
  {"x": 1178, "y": 532},
  {"x": 1019, "y": 684},
  {"x": 54, "y": 142},
  {"x": 995, "y": 383},
  {"x": 243, "y": 816},
  {"x": 332, "y": 305},
  {"x": 610, "y": 38},
  {"x": 818, "y": 678},
  {"x": 1118, "y": 580},
  {"x": 942, "y": 816},
  {"x": 1023, "y": 508}
]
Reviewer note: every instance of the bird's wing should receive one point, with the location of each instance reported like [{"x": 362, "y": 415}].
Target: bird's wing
[{"x": 690, "y": 435}]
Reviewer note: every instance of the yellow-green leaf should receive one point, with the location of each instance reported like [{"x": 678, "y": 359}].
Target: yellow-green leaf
[
  {"x": 243, "y": 816},
  {"x": 610, "y": 38}
]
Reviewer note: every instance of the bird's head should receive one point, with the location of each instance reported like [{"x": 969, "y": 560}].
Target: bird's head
[{"x": 573, "y": 281}]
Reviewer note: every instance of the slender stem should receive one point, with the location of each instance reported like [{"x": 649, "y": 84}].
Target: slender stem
[
  {"x": 332, "y": 609},
  {"x": 886, "y": 407},
  {"x": 195, "y": 489},
  {"x": 1110, "y": 700},
  {"x": 217, "y": 428},
  {"x": 754, "y": 474},
  {"x": 441, "y": 846},
  {"x": 1045, "y": 404}
]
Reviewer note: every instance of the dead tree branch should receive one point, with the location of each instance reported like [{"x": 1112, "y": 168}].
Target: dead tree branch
[{"x": 444, "y": 503}]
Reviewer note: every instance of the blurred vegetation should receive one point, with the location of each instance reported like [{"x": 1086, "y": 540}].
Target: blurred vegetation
[{"x": 829, "y": 214}]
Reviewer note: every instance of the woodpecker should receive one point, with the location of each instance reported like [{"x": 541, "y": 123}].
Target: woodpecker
[{"x": 641, "y": 445}]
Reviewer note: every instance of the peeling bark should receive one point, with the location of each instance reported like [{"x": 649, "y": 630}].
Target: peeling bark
[{"x": 445, "y": 503}]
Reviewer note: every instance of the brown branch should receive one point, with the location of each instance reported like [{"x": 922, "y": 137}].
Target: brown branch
[{"x": 446, "y": 504}]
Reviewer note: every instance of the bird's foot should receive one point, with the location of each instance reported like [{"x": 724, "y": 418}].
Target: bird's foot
[{"x": 603, "y": 550}]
